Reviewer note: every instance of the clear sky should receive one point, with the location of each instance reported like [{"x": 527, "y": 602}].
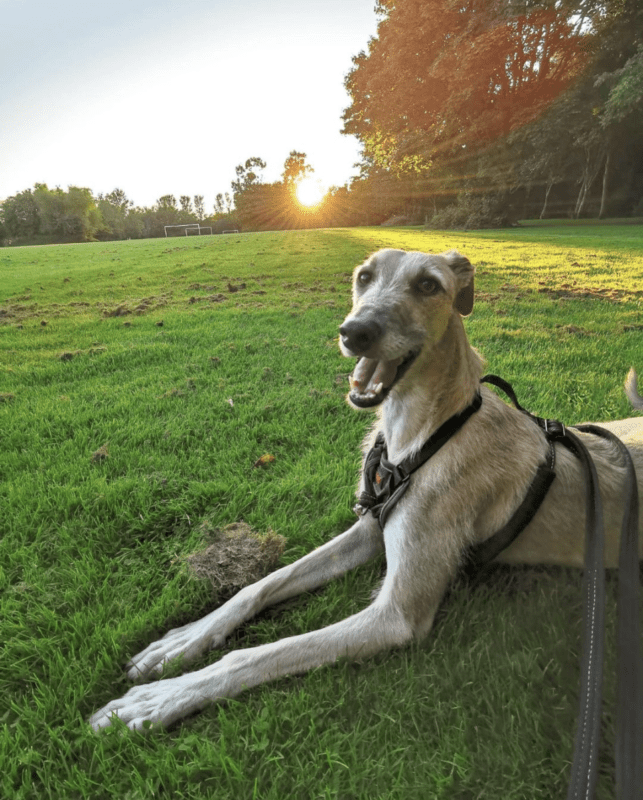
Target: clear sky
[{"x": 167, "y": 97}]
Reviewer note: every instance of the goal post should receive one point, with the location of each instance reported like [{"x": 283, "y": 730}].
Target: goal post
[{"x": 191, "y": 227}]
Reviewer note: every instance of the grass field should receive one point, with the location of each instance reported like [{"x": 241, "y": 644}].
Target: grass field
[{"x": 140, "y": 382}]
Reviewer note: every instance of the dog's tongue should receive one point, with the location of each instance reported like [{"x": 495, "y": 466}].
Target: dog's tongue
[{"x": 369, "y": 373}]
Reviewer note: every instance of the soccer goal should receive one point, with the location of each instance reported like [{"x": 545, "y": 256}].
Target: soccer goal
[{"x": 190, "y": 228}]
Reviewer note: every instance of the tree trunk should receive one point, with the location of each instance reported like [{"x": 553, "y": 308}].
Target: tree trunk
[
  {"x": 582, "y": 196},
  {"x": 603, "y": 210},
  {"x": 548, "y": 190},
  {"x": 589, "y": 174}
]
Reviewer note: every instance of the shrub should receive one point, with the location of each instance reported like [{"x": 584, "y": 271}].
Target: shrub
[{"x": 475, "y": 211}]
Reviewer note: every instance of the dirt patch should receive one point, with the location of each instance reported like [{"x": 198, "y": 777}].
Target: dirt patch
[
  {"x": 69, "y": 354},
  {"x": 567, "y": 292},
  {"x": 100, "y": 455},
  {"x": 573, "y": 330},
  {"x": 196, "y": 286},
  {"x": 119, "y": 311},
  {"x": 18, "y": 312},
  {"x": 564, "y": 291},
  {"x": 235, "y": 556},
  {"x": 138, "y": 307}
]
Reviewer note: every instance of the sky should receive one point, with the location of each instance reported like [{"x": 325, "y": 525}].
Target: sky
[{"x": 168, "y": 97}]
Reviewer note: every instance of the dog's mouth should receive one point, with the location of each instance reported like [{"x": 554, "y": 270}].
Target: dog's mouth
[{"x": 373, "y": 379}]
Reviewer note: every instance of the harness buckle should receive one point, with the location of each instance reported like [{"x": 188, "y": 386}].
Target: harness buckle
[{"x": 554, "y": 429}]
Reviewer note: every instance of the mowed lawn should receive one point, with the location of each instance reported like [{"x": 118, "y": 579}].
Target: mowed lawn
[{"x": 141, "y": 381}]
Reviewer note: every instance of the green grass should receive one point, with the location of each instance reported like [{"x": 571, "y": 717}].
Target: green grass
[{"x": 90, "y": 556}]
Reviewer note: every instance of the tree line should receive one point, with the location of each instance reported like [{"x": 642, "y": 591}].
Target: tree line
[
  {"x": 484, "y": 111},
  {"x": 470, "y": 113},
  {"x": 75, "y": 214}
]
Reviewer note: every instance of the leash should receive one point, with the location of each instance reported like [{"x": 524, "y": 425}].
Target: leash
[
  {"x": 385, "y": 483},
  {"x": 629, "y": 703}
]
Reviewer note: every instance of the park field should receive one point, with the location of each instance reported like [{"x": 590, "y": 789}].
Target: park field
[{"x": 140, "y": 384}]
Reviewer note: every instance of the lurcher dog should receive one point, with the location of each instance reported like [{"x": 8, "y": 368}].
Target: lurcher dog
[{"x": 418, "y": 368}]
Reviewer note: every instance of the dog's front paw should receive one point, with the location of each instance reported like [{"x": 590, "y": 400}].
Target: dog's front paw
[
  {"x": 155, "y": 704},
  {"x": 187, "y": 642}
]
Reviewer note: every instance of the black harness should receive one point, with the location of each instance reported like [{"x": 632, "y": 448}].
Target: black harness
[{"x": 385, "y": 483}]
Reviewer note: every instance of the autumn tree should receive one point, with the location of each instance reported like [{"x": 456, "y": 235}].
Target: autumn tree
[{"x": 455, "y": 92}]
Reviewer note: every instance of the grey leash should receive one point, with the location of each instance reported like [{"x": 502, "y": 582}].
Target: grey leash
[
  {"x": 386, "y": 483},
  {"x": 629, "y": 704}
]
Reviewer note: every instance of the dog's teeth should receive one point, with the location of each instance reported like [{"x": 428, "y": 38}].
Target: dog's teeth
[{"x": 378, "y": 388}]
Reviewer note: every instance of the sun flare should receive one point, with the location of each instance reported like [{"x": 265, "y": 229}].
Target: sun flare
[{"x": 310, "y": 192}]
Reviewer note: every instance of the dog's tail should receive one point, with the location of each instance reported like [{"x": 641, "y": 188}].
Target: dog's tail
[{"x": 631, "y": 390}]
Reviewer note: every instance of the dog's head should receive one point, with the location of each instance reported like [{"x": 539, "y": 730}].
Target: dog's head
[{"x": 402, "y": 304}]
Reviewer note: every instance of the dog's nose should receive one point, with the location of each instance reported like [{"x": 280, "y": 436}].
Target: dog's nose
[{"x": 360, "y": 335}]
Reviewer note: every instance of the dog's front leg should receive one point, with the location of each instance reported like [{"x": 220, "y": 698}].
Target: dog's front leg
[
  {"x": 418, "y": 570},
  {"x": 163, "y": 702},
  {"x": 356, "y": 546}
]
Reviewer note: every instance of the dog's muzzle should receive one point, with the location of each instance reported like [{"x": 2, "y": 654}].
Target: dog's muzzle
[{"x": 373, "y": 377}]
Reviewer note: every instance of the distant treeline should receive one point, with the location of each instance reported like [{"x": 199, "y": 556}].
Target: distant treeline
[
  {"x": 75, "y": 214},
  {"x": 470, "y": 113}
]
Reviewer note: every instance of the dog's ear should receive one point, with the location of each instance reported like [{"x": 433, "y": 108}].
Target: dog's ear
[{"x": 464, "y": 271}]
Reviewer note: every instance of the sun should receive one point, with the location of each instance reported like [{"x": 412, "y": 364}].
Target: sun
[{"x": 310, "y": 192}]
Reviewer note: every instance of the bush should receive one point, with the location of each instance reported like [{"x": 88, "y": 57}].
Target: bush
[{"x": 475, "y": 211}]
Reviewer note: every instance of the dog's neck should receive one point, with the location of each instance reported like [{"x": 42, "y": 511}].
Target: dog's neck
[{"x": 430, "y": 394}]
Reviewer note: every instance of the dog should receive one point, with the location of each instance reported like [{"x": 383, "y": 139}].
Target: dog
[{"x": 417, "y": 369}]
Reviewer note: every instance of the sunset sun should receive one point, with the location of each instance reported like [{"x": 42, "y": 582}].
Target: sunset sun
[{"x": 310, "y": 192}]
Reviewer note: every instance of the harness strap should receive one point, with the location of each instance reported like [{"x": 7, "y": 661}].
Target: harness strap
[
  {"x": 483, "y": 553},
  {"x": 385, "y": 482}
]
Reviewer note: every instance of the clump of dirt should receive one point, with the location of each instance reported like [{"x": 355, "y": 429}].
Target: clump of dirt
[
  {"x": 7, "y": 397},
  {"x": 69, "y": 354},
  {"x": 567, "y": 292},
  {"x": 100, "y": 455},
  {"x": 264, "y": 461},
  {"x": 119, "y": 311},
  {"x": 234, "y": 556},
  {"x": 574, "y": 330}
]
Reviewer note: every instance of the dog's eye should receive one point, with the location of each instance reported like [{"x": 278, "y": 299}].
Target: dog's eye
[
  {"x": 428, "y": 286},
  {"x": 364, "y": 277}
]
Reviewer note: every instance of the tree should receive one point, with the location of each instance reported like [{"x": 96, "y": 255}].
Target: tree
[
  {"x": 114, "y": 208},
  {"x": 626, "y": 92},
  {"x": 186, "y": 204},
  {"x": 448, "y": 76},
  {"x": 248, "y": 174},
  {"x": 71, "y": 215},
  {"x": 296, "y": 168},
  {"x": 20, "y": 215},
  {"x": 455, "y": 92},
  {"x": 199, "y": 207},
  {"x": 167, "y": 201}
]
